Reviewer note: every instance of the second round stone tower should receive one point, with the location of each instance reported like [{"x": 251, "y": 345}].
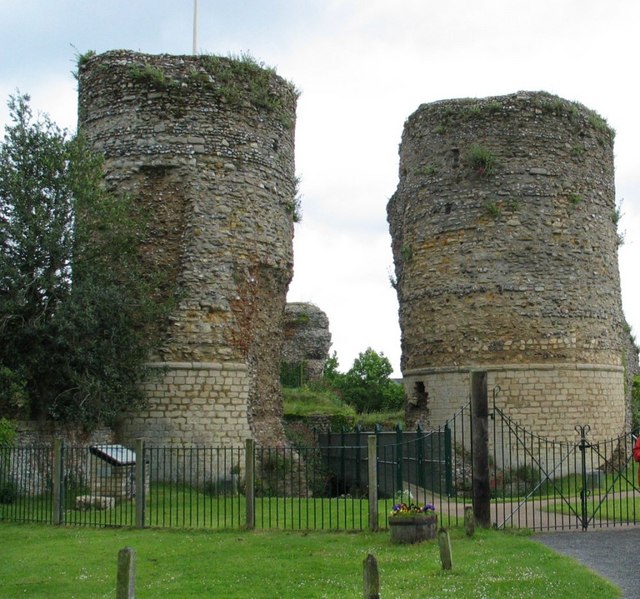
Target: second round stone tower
[
  {"x": 206, "y": 147},
  {"x": 506, "y": 258}
]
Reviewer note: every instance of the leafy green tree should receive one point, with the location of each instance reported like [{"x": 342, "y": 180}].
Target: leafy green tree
[
  {"x": 77, "y": 308},
  {"x": 330, "y": 370},
  {"x": 367, "y": 386}
]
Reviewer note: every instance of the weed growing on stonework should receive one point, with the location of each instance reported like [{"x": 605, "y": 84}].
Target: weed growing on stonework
[
  {"x": 514, "y": 204},
  {"x": 294, "y": 206},
  {"x": 574, "y": 198},
  {"x": 151, "y": 75},
  {"x": 616, "y": 216},
  {"x": 481, "y": 161},
  {"x": 493, "y": 107},
  {"x": 493, "y": 210},
  {"x": 199, "y": 77},
  {"x": 429, "y": 170},
  {"x": 82, "y": 59},
  {"x": 578, "y": 150},
  {"x": 242, "y": 78},
  {"x": 597, "y": 122},
  {"x": 553, "y": 106}
]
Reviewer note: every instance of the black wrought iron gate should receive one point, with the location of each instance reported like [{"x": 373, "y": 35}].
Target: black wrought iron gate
[{"x": 543, "y": 484}]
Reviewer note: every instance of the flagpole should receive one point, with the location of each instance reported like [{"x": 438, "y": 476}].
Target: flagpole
[{"x": 195, "y": 27}]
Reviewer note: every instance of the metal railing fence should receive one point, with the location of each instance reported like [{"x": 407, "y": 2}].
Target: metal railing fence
[
  {"x": 545, "y": 484},
  {"x": 26, "y": 493},
  {"x": 345, "y": 481}
]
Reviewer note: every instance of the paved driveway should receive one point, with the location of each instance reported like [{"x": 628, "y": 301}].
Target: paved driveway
[{"x": 614, "y": 553}]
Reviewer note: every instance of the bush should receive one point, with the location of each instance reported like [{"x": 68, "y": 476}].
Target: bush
[
  {"x": 7, "y": 432},
  {"x": 8, "y": 489},
  {"x": 367, "y": 386},
  {"x": 293, "y": 374}
]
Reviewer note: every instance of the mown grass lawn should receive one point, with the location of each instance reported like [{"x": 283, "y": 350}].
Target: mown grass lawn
[{"x": 45, "y": 561}]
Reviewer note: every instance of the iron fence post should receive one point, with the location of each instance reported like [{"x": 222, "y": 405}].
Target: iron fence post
[
  {"x": 420, "y": 456},
  {"x": 584, "y": 492},
  {"x": 399, "y": 458},
  {"x": 343, "y": 466},
  {"x": 250, "y": 482},
  {"x": 140, "y": 484},
  {"x": 58, "y": 482},
  {"x": 448, "y": 469},
  {"x": 358, "y": 431},
  {"x": 372, "y": 454}
]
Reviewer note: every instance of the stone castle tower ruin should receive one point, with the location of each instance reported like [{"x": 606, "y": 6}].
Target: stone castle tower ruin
[
  {"x": 307, "y": 339},
  {"x": 206, "y": 146},
  {"x": 505, "y": 247}
]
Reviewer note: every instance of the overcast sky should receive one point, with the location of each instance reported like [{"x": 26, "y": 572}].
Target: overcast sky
[{"x": 363, "y": 66}]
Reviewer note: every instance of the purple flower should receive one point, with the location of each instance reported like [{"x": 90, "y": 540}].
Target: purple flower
[{"x": 404, "y": 509}]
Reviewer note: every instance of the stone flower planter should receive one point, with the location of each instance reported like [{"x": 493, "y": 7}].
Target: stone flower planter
[{"x": 412, "y": 529}]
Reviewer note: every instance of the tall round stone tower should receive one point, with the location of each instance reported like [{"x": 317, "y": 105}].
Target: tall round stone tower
[
  {"x": 206, "y": 146},
  {"x": 505, "y": 249}
]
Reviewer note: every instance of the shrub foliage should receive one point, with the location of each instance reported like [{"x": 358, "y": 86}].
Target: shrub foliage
[
  {"x": 77, "y": 306},
  {"x": 367, "y": 386}
]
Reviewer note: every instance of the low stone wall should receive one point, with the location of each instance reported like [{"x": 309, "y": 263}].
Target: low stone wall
[
  {"x": 30, "y": 433},
  {"x": 30, "y": 462}
]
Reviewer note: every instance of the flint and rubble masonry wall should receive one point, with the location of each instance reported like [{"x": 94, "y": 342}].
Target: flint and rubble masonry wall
[
  {"x": 505, "y": 251},
  {"x": 206, "y": 146},
  {"x": 306, "y": 337}
]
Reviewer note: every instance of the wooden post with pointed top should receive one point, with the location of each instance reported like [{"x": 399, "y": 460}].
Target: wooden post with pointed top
[
  {"x": 469, "y": 521},
  {"x": 371, "y": 578},
  {"x": 444, "y": 542}
]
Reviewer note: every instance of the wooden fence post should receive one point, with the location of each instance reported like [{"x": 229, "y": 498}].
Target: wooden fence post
[
  {"x": 371, "y": 578},
  {"x": 372, "y": 455},
  {"x": 480, "y": 433},
  {"x": 140, "y": 484},
  {"x": 250, "y": 482},
  {"x": 58, "y": 483},
  {"x": 469, "y": 521},
  {"x": 126, "y": 580},
  {"x": 444, "y": 542}
]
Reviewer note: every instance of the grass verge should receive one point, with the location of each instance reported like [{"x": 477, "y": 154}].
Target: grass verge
[{"x": 45, "y": 561}]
